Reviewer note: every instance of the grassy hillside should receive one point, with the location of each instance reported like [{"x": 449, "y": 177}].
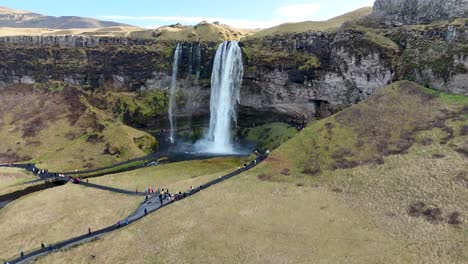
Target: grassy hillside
[
  {"x": 60, "y": 130},
  {"x": 317, "y": 26},
  {"x": 382, "y": 182},
  {"x": 386, "y": 124},
  {"x": 270, "y": 136},
  {"x": 204, "y": 32}
]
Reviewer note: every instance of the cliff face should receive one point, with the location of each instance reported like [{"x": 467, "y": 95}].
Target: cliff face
[
  {"x": 314, "y": 74},
  {"x": 291, "y": 77},
  {"x": 411, "y": 12}
]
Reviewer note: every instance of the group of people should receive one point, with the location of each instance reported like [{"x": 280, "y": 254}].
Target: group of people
[{"x": 40, "y": 172}]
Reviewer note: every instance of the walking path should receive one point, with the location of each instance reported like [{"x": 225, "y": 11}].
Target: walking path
[
  {"x": 152, "y": 204},
  {"x": 112, "y": 189}
]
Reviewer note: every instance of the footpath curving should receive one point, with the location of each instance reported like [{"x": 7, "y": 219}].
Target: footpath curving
[
  {"x": 112, "y": 189},
  {"x": 52, "y": 179},
  {"x": 151, "y": 205}
]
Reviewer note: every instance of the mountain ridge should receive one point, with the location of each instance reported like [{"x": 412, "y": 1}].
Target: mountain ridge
[{"x": 26, "y": 19}]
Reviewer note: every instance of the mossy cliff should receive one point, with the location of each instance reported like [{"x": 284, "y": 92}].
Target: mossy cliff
[{"x": 289, "y": 77}]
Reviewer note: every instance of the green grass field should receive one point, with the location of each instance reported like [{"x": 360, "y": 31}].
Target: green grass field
[{"x": 178, "y": 176}]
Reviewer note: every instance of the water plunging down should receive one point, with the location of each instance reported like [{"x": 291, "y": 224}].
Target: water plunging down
[
  {"x": 226, "y": 81},
  {"x": 172, "y": 92}
]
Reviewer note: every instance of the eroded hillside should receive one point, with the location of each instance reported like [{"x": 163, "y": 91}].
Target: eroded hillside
[{"x": 60, "y": 130}]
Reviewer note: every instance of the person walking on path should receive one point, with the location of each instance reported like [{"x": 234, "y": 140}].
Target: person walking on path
[
  {"x": 42, "y": 246},
  {"x": 22, "y": 254},
  {"x": 126, "y": 221},
  {"x": 146, "y": 211},
  {"x": 89, "y": 230}
]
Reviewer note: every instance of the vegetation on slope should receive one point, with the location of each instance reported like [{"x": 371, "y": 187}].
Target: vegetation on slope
[
  {"x": 270, "y": 136},
  {"x": 383, "y": 125},
  {"x": 314, "y": 26},
  {"x": 202, "y": 32},
  {"x": 61, "y": 131}
]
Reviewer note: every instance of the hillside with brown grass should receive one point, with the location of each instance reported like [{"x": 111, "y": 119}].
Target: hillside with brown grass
[
  {"x": 382, "y": 182},
  {"x": 59, "y": 130}
]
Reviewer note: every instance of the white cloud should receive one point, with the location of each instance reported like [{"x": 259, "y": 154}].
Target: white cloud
[
  {"x": 162, "y": 18},
  {"x": 283, "y": 14}
]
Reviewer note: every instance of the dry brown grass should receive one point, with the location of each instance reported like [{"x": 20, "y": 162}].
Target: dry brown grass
[
  {"x": 205, "y": 32},
  {"x": 12, "y": 179},
  {"x": 177, "y": 177},
  {"x": 244, "y": 221},
  {"x": 57, "y": 214},
  {"x": 314, "y": 26},
  {"x": 52, "y": 127},
  {"x": 361, "y": 214}
]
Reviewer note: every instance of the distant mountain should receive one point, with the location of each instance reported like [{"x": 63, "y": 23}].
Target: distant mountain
[{"x": 26, "y": 19}]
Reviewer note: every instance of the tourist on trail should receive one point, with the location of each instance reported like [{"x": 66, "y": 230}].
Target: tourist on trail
[
  {"x": 22, "y": 254},
  {"x": 126, "y": 221},
  {"x": 118, "y": 224},
  {"x": 42, "y": 246},
  {"x": 146, "y": 211},
  {"x": 89, "y": 230}
]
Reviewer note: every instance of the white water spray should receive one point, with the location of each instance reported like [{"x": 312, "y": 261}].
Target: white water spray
[
  {"x": 175, "y": 66},
  {"x": 226, "y": 81}
]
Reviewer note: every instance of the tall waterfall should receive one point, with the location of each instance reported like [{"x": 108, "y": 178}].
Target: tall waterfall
[
  {"x": 175, "y": 66},
  {"x": 226, "y": 81},
  {"x": 197, "y": 60}
]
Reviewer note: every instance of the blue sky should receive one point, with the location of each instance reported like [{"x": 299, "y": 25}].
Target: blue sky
[{"x": 154, "y": 13}]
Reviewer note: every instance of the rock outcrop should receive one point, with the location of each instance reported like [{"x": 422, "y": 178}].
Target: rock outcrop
[{"x": 412, "y": 12}]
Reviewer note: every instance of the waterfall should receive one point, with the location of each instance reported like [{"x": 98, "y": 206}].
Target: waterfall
[
  {"x": 226, "y": 80},
  {"x": 197, "y": 62},
  {"x": 175, "y": 66},
  {"x": 190, "y": 58}
]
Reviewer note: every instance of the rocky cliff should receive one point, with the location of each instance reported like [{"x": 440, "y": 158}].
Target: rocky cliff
[
  {"x": 293, "y": 77},
  {"x": 411, "y": 12}
]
